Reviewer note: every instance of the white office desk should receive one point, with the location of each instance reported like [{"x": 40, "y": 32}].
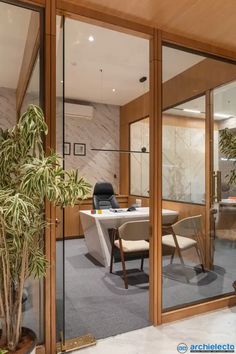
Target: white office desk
[{"x": 96, "y": 226}]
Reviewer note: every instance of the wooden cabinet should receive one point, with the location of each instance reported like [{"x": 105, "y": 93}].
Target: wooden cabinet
[{"x": 73, "y": 227}]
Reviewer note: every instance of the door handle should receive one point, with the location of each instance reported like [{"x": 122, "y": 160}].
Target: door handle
[
  {"x": 216, "y": 186},
  {"x": 57, "y": 222}
]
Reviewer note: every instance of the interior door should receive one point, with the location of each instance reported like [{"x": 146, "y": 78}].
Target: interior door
[{"x": 223, "y": 188}]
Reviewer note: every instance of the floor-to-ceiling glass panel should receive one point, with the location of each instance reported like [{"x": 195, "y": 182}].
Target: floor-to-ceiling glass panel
[
  {"x": 104, "y": 76},
  {"x": 197, "y": 258},
  {"x": 183, "y": 178},
  {"x": 224, "y": 186},
  {"x": 20, "y": 85}
]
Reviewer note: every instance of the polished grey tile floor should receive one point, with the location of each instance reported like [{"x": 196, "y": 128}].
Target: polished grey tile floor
[{"x": 217, "y": 327}]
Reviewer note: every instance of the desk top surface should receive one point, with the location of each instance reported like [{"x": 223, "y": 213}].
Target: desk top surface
[
  {"x": 123, "y": 213},
  {"x": 231, "y": 202}
]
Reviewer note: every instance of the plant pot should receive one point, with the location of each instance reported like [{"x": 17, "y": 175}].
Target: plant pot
[{"x": 27, "y": 344}]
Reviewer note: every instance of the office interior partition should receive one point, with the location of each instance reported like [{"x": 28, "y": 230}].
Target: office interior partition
[
  {"x": 197, "y": 105},
  {"x": 21, "y": 84},
  {"x": 96, "y": 80}
]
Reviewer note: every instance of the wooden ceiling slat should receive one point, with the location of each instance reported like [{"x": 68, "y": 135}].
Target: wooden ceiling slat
[{"x": 210, "y": 21}]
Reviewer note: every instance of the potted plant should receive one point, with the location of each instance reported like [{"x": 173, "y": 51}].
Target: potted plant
[{"x": 27, "y": 178}]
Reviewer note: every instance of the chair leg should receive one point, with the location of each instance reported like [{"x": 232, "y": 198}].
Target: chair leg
[
  {"x": 182, "y": 262},
  {"x": 123, "y": 264},
  {"x": 200, "y": 258},
  {"x": 142, "y": 261},
  {"x": 112, "y": 249},
  {"x": 172, "y": 256}
]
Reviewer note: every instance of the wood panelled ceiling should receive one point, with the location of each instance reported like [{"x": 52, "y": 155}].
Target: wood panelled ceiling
[{"x": 209, "y": 21}]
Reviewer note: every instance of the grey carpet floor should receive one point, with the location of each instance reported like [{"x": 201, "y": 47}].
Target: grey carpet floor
[
  {"x": 96, "y": 301},
  {"x": 218, "y": 281}
]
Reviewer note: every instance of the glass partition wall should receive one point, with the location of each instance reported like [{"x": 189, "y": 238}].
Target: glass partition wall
[
  {"x": 198, "y": 243},
  {"x": 98, "y": 81},
  {"x": 21, "y": 78}
]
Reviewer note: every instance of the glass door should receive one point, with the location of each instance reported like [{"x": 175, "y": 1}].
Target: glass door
[
  {"x": 98, "y": 87},
  {"x": 198, "y": 177},
  {"x": 223, "y": 189}
]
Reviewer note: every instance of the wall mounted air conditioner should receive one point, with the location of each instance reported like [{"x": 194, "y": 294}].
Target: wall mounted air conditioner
[{"x": 73, "y": 110}]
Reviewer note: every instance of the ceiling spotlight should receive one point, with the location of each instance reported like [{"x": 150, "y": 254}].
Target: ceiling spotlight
[
  {"x": 91, "y": 38},
  {"x": 113, "y": 90},
  {"x": 143, "y": 79},
  {"x": 191, "y": 110}
]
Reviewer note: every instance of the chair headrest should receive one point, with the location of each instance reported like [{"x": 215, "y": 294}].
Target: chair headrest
[{"x": 103, "y": 188}]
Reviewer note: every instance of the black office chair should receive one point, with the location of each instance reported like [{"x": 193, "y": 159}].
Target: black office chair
[{"x": 103, "y": 196}]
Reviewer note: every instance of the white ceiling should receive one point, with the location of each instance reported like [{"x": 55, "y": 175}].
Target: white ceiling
[
  {"x": 14, "y": 23},
  {"x": 123, "y": 59}
]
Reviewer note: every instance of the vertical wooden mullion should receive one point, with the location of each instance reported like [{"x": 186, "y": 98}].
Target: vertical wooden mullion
[
  {"x": 50, "y": 116},
  {"x": 155, "y": 177},
  {"x": 209, "y": 129}
]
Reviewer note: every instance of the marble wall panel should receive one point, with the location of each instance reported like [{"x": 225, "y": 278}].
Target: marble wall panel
[
  {"x": 184, "y": 164},
  {"x": 7, "y": 108},
  {"x": 101, "y": 132},
  {"x": 139, "y": 163}
]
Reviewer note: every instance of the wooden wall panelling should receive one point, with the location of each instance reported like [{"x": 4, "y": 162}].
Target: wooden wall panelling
[
  {"x": 203, "y": 76},
  {"x": 155, "y": 254},
  {"x": 72, "y": 221},
  {"x": 185, "y": 209},
  {"x": 204, "y": 47},
  {"x": 29, "y": 58}
]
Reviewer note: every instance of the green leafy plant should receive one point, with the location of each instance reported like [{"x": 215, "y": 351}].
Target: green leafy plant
[
  {"x": 27, "y": 178},
  {"x": 227, "y": 144},
  {"x": 2, "y": 351}
]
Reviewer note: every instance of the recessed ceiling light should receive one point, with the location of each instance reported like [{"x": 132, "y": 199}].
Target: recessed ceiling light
[
  {"x": 91, "y": 38},
  {"x": 191, "y": 110},
  {"x": 222, "y": 115},
  {"x": 113, "y": 90}
]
